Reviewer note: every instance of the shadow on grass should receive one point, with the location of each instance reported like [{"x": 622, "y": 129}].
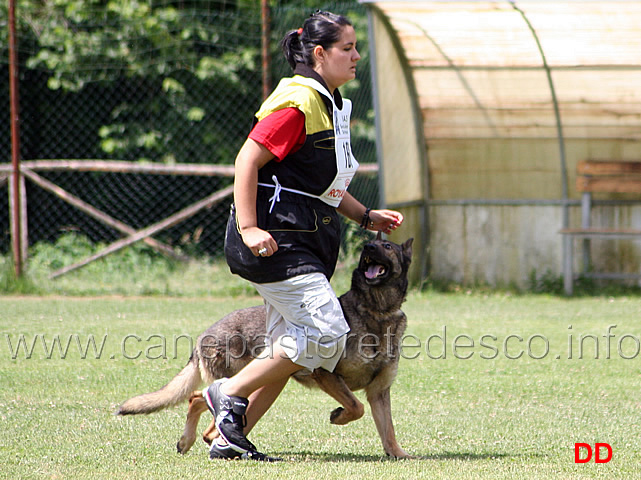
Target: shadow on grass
[
  {"x": 466, "y": 456},
  {"x": 342, "y": 457}
]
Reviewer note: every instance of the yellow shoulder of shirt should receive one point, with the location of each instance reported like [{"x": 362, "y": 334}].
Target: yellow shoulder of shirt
[{"x": 306, "y": 99}]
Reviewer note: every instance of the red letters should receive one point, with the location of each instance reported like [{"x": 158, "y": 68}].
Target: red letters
[
  {"x": 597, "y": 449},
  {"x": 597, "y": 453},
  {"x": 577, "y": 452}
]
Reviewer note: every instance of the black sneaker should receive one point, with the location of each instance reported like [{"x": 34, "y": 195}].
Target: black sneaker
[
  {"x": 229, "y": 414},
  {"x": 226, "y": 452},
  {"x": 223, "y": 451},
  {"x": 259, "y": 457}
]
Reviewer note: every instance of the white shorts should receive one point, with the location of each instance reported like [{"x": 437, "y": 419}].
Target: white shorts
[{"x": 306, "y": 318}]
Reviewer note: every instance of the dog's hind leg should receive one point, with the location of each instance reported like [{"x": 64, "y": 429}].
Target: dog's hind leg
[
  {"x": 197, "y": 406},
  {"x": 352, "y": 409},
  {"x": 381, "y": 405}
]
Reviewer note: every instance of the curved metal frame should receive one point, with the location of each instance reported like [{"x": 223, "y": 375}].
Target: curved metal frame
[
  {"x": 423, "y": 204},
  {"x": 559, "y": 127}
]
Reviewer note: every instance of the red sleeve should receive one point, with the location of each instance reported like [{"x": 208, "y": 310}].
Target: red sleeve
[{"x": 281, "y": 132}]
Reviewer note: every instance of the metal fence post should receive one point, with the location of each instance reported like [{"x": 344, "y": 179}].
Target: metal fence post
[{"x": 15, "y": 143}]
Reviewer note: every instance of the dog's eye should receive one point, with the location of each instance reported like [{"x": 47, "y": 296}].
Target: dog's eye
[{"x": 388, "y": 246}]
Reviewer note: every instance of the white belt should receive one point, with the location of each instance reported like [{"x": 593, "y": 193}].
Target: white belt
[{"x": 277, "y": 189}]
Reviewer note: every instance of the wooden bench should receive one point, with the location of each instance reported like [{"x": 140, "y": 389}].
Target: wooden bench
[{"x": 601, "y": 177}]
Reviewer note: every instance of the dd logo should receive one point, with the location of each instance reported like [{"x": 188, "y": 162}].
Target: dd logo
[{"x": 597, "y": 453}]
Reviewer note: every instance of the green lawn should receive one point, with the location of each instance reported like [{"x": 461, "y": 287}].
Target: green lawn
[{"x": 479, "y": 412}]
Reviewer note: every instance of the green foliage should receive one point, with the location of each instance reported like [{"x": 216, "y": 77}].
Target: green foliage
[
  {"x": 170, "y": 63},
  {"x": 11, "y": 284},
  {"x": 68, "y": 249},
  {"x": 137, "y": 269},
  {"x": 124, "y": 37},
  {"x": 132, "y": 271},
  {"x": 550, "y": 283},
  {"x": 354, "y": 239},
  {"x": 72, "y": 247},
  {"x": 158, "y": 81},
  {"x": 186, "y": 74}
]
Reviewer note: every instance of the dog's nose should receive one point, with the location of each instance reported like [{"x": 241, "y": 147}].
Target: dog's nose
[{"x": 370, "y": 247}]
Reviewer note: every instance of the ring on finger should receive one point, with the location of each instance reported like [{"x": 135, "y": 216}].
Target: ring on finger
[{"x": 262, "y": 251}]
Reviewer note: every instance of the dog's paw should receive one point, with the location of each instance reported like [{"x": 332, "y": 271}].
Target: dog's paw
[
  {"x": 336, "y": 417},
  {"x": 342, "y": 416},
  {"x": 405, "y": 456},
  {"x": 399, "y": 454},
  {"x": 183, "y": 445}
]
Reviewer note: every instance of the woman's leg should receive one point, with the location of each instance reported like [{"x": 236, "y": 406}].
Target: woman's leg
[
  {"x": 263, "y": 377},
  {"x": 295, "y": 308},
  {"x": 275, "y": 368},
  {"x": 260, "y": 401}
]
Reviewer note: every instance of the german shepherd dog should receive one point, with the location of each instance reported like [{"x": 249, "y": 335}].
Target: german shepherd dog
[{"x": 372, "y": 308}]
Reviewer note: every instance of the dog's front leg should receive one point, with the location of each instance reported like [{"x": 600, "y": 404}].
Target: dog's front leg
[
  {"x": 381, "y": 405},
  {"x": 352, "y": 409},
  {"x": 197, "y": 406}
]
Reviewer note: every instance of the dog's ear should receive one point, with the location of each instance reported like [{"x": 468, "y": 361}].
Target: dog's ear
[{"x": 407, "y": 250}]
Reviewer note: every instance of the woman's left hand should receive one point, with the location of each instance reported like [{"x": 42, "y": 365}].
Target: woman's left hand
[{"x": 385, "y": 221}]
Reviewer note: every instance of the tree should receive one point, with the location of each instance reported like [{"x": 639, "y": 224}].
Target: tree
[
  {"x": 167, "y": 81},
  {"x": 174, "y": 76}
]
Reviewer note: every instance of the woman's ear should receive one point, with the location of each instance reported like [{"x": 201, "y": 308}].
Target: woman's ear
[{"x": 319, "y": 54}]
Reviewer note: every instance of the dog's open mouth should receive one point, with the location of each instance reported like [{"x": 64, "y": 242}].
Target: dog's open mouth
[
  {"x": 375, "y": 271},
  {"x": 372, "y": 269}
]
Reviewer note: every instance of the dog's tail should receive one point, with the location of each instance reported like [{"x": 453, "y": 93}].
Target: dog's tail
[{"x": 177, "y": 390}]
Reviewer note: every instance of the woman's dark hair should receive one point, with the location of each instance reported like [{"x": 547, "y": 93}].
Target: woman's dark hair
[{"x": 321, "y": 28}]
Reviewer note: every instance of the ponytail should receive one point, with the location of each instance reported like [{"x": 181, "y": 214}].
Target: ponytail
[
  {"x": 293, "y": 48},
  {"x": 321, "y": 28}
]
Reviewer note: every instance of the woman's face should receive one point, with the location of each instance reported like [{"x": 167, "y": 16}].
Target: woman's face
[{"x": 337, "y": 64}]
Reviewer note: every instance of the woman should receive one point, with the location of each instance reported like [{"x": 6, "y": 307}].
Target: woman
[{"x": 283, "y": 233}]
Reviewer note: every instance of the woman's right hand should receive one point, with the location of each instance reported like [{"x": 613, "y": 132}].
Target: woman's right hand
[{"x": 259, "y": 241}]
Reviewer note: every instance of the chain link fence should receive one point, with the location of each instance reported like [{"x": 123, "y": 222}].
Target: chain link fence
[{"x": 151, "y": 83}]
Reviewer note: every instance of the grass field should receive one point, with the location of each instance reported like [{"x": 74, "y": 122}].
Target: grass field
[{"x": 491, "y": 415}]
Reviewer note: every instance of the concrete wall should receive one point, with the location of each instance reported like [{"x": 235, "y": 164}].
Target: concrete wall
[
  {"x": 505, "y": 245},
  {"x": 494, "y": 245}
]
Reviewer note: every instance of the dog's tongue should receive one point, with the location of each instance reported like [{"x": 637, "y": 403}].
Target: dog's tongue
[{"x": 374, "y": 271}]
